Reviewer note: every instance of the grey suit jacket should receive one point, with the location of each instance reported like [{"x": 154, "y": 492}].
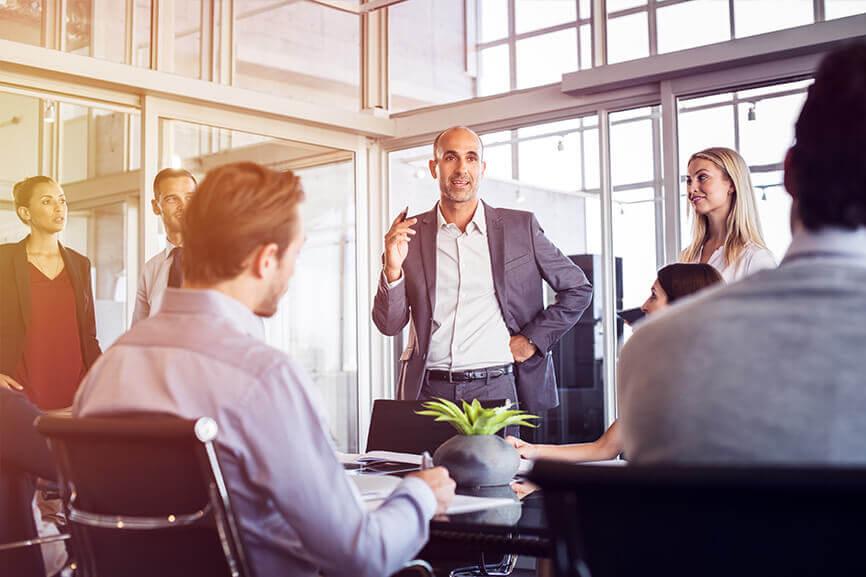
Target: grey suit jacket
[{"x": 520, "y": 256}]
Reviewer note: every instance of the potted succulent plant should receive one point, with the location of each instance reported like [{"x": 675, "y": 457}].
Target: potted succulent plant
[{"x": 476, "y": 456}]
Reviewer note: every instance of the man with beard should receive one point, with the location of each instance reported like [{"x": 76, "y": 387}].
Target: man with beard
[
  {"x": 468, "y": 276},
  {"x": 203, "y": 354}
]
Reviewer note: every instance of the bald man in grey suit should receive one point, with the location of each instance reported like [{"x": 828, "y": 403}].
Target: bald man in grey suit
[{"x": 469, "y": 278}]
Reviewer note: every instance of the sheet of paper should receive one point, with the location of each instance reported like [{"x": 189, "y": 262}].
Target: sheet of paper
[
  {"x": 374, "y": 489},
  {"x": 348, "y": 458},
  {"x": 375, "y": 486},
  {"x": 391, "y": 456}
]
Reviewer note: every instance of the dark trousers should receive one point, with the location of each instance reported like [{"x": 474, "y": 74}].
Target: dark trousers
[{"x": 488, "y": 389}]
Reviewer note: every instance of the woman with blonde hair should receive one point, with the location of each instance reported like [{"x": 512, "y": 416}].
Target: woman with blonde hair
[{"x": 726, "y": 229}]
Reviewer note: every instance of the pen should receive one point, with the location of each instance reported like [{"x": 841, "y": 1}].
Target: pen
[
  {"x": 426, "y": 460},
  {"x": 404, "y": 214}
]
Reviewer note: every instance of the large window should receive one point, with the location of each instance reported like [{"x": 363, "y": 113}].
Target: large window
[
  {"x": 636, "y": 28},
  {"x": 636, "y": 180},
  {"x": 298, "y": 49},
  {"x": 95, "y": 28},
  {"x": 526, "y": 43}
]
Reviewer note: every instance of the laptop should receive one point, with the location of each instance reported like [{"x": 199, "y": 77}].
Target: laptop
[{"x": 394, "y": 426}]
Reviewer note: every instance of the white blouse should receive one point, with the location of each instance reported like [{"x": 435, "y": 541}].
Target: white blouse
[{"x": 752, "y": 259}]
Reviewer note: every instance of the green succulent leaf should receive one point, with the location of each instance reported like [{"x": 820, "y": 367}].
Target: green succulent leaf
[{"x": 474, "y": 419}]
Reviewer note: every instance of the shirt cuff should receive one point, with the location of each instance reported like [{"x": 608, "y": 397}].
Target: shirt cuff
[
  {"x": 396, "y": 283},
  {"x": 421, "y": 492}
]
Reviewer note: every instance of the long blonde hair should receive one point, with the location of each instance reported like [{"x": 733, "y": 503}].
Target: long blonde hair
[{"x": 743, "y": 224}]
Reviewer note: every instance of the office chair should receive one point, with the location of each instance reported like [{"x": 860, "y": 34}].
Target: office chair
[
  {"x": 709, "y": 521},
  {"x": 144, "y": 496},
  {"x": 24, "y": 557}
]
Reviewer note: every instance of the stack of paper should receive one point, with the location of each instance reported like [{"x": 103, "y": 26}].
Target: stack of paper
[{"x": 408, "y": 458}]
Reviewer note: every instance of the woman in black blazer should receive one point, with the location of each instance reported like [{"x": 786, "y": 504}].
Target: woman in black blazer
[{"x": 47, "y": 320}]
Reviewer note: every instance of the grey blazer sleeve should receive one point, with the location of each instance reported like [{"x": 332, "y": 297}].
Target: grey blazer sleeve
[
  {"x": 390, "y": 307},
  {"x": 573, "y": 292}
]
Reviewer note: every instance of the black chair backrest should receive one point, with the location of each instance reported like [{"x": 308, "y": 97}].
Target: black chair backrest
[
  {"x": 394, "y": 426},
  {"x": 708, "y": 521},
  {"x": 145, "y": 496}
]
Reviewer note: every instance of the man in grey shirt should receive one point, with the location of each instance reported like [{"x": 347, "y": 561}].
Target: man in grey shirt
[
  {"x": 202, "y": 354},
  {"x": 772, "y": 369}
]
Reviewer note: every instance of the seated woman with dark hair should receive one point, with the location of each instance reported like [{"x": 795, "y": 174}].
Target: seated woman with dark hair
[{"x": 674, "y": 281}]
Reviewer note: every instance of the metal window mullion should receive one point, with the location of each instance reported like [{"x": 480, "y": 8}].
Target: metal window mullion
[
  {"x": 599, "y": 32},
  {"x": 515, "y": 156},
  {"x": 731, "y": 17},
  {"x": 582, "y": 136},
  {"x": 129, "y": 45},
  {"x": 162, "y": 35},
  {"x": 736, "y": 108},
  {"x": 671, "y": 182},
  {"x": 576, "y": 27},
  {"x": 608, "y": 271},
  {"x": 375, "y": 90},
  {"x": 819, "y": 10},
  {"x": 653, "y": 28},
  {"x": 207, "y": 43},
  {"x": 658, "y": 191},
  {"x": 512, "y": 45},
  {"x": 60, "y": 29}
]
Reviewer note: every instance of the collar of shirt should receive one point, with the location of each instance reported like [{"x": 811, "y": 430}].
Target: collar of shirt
[
  {"x": 478, "y": 220},
  {"x": 829, "y": 242},
  {"x": 169, "y": 246},
  {"x": 213, "y": 303}
]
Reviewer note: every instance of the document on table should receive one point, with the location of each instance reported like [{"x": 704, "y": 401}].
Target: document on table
[
  {"x": 410, "y": 458},
  {"x": 375, "y": 489}
]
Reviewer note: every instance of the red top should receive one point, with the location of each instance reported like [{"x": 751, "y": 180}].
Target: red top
[{"x": 51, "y": 365}]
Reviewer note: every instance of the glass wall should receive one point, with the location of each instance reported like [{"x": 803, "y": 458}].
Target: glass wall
[
  {"x": 635, "y": 163},
  {"x": 322, "y": 338},
  {"x": 446, "y": 54},
  {"x": 636, "y": 29},
  {"x": 298, "y": 49}
]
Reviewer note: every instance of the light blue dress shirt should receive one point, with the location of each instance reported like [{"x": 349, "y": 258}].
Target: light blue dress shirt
[{"x": 202, "y": 354}]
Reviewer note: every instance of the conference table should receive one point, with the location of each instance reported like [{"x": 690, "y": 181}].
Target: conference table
[{"x": 518, "y": 529}]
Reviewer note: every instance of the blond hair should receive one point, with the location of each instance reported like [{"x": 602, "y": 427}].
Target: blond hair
[{"x": 743, "y": 224}]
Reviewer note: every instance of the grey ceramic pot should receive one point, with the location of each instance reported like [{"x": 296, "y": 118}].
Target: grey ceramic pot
[{"x": 478, "y": 460}]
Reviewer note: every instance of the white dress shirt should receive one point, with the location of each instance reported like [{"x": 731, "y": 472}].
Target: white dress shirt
[
  {"x": 468, "y": 329},
  {"x": 152, "y": 284},
  {"x": 752, "y": 259},
  {"x": 299, "y": 514}
]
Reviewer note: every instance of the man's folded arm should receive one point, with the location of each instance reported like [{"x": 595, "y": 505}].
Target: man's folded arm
[{"x": 573, "y": 292}]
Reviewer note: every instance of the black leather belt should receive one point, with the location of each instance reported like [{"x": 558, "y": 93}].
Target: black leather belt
[{"x": 472, "y": 375}]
